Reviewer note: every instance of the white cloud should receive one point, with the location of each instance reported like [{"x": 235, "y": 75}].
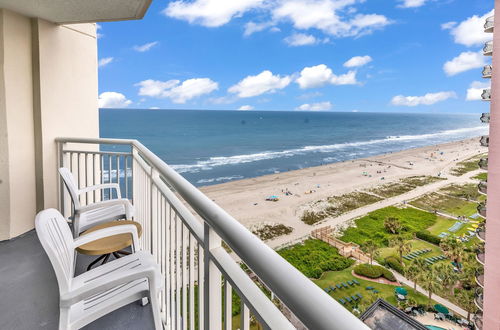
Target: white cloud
[
  {"x": 252, "y": 27},
  {"x": 334, "y": 17},
  {"x": 210, "y": 13},
  {"x": 320, "y": 75},
  {"x": 113, "y": 100},
  {"x": 105, "y": 61},
  {"x": 324, "y": 15},
  {"x": 154, "y": 108},
  {"x": 358, "y": 61},
  {"x": 320, "y": 106},
  {"x": 176, "y": 91},
  {"x": 427, "y": 99},
  {"x": 264, "y": 82},
  {"x": 471, "y": 31},
  {"x": 448, "y": 25},
  {"x": 463, "y": 62},
  {"x": 301, "y": 39},
  {"x": 411, "y": 3},
  {"x": 145, "y": 47},
  {"x": 475, "y": 90},
  {"x": 246, "y": 107}
]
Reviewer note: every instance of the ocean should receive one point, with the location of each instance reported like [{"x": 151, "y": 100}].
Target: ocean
[{"x": 210, "y": 147}]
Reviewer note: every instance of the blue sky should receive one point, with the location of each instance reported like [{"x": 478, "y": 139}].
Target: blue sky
[{"x": 336, "y": 55}]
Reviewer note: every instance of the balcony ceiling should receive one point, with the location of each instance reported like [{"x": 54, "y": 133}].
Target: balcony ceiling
[{"x": 79, "y": 11}]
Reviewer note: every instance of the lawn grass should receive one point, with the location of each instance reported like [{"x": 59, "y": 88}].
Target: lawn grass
[
  {"x": 416, "y": 245},
  {"x": 372, "y": 227},
  {"x": 386, "y": 291},
  {"x": 467, "y": 165},
  {"x": 467, "y": 191},
  {"x": 447, "y": 204},
  {"x": 442, "y": 224},
  {"x": 348, "y": 202}
]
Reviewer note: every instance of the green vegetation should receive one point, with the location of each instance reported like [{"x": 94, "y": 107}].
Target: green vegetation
[
  {"x": 385, "y": 291},
  {"x": 267, "y": 231},
  {"x": 427, "y": 236},
  {"x": 447, "y": 204},
  {"x": 403, "y": 185},
  {"x": 466, "y": 166},
  {"x": 311, "y": 217},
  {"x": 374, "y": 271},
  {"x": 391, "y": 189},
  {"x": 371, "y": 226},
  {"x": 314, "y": 257},
  {"x": 420, "y": 180},
  {"x": 348, "y": 202},
  {"x": 481, "y": 176},
  {"x": 415, "y": 245},
  {"x": 466, "y": 191},
  {"x": 395, "y": 264}
]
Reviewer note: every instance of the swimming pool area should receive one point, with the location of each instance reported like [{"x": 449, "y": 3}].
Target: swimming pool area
[{"x": 433, "y": 327}]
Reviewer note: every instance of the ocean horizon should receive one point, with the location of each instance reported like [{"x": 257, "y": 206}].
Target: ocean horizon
[{"x": 211, "y": 146}]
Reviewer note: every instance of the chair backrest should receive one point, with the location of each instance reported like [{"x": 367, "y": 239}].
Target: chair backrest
[
  {"x": 71, "y": 185},
  {"x": 57, "y": 241}
]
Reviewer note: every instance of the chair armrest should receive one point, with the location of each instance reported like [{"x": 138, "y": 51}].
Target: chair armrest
[
  {"x": 115, "y": 186},
  {"x": 110, "y": 281},
  {"x": 106, "y": 232},
  {"x": 111, "y": 202}
]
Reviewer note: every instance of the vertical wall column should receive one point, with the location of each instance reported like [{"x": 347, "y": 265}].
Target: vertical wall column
[{"x": 491, "y": 317}]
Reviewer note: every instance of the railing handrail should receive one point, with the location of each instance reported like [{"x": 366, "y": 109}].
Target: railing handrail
[{"x": 314, "y": 307}]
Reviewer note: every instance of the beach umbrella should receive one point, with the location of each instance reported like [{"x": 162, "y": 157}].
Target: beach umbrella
[
  {"x": 401, "y": 291},
  {"x": 441, "y": 309}
]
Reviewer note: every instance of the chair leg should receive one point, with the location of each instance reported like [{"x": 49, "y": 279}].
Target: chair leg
[{"x": 155, "y": 307}]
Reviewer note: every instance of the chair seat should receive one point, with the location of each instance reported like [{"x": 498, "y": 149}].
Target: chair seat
[
  {"x": 121, "y": 295},
  {"x": 91, "y": 218}
]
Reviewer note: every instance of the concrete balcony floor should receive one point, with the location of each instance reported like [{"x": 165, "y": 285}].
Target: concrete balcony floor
[{"x": 30, "y": 295}]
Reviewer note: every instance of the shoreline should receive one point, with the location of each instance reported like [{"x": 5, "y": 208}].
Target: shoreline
[{"x": 245, "y": 199}]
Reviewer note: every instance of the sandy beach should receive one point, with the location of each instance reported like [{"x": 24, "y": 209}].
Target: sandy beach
[{"x": 245, "y": 199}]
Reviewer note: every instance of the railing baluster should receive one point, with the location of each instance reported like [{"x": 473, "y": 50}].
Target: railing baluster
[
  {"x": 228, "y": 305},
  {"x": 110, "y": 167},
  {"x": 192, "y": 242},
  {"x": 178, "y": 241},
  {"x": 244, "y": 317},
  {"x": 212, "y": 279},
  {"x": 184, "y": 276},
  {"x": 201, "y": 288}
]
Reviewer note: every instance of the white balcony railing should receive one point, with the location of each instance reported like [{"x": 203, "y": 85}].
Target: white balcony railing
[
  {"x": 183, "y": 229},
  {"x": 489, "y": 24},
  {"x": 487, "y": 71},
  {"x": 488, "y": 48}
]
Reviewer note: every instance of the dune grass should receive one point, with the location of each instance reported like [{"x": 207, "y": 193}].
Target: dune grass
[
  {"x": 467, "y": 191},
  {"x": 481, "y": 176},
  {"x": 420, "y": 180},
  {"x": 467, "y": 165},
  {"x": 348, "y": 202},
  {"x": 391, "y": 189}
]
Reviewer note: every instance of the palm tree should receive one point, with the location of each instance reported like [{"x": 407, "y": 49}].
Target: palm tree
[
  {"x": 402, "y": 246},
  {"x": 414, "y": 271},
  {"x": 447, "y": 276},
  {"x": 453, "y": 249},
  {"x": 430, "y": 282},
  {"x": 466, "y": 299},
  {"x": 370, "y": 248},
  {"x": 392, "y": 225}
]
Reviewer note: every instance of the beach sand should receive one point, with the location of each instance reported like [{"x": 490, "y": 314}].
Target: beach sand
[{"x": 245, "y": 199}]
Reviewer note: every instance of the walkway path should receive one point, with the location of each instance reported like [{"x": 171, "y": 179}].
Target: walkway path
[{"x": 419, "y": 191}]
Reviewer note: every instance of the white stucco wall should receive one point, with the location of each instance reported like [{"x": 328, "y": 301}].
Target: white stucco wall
[{"x": 48, "y": 88}]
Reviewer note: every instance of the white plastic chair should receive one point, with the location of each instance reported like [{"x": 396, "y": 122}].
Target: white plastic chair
[
  {"x": 103, "y": 289},
  {"x": 87, "y": 216}
]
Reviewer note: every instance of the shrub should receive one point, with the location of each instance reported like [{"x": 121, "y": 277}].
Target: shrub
[
  {"x": 394, "y": 263},
  {"x": 427, "y": 236},
  {"x": 374, "y": 271},
  {"x": 311, "y": 217},
  {"x": 314, "y": 257}
]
